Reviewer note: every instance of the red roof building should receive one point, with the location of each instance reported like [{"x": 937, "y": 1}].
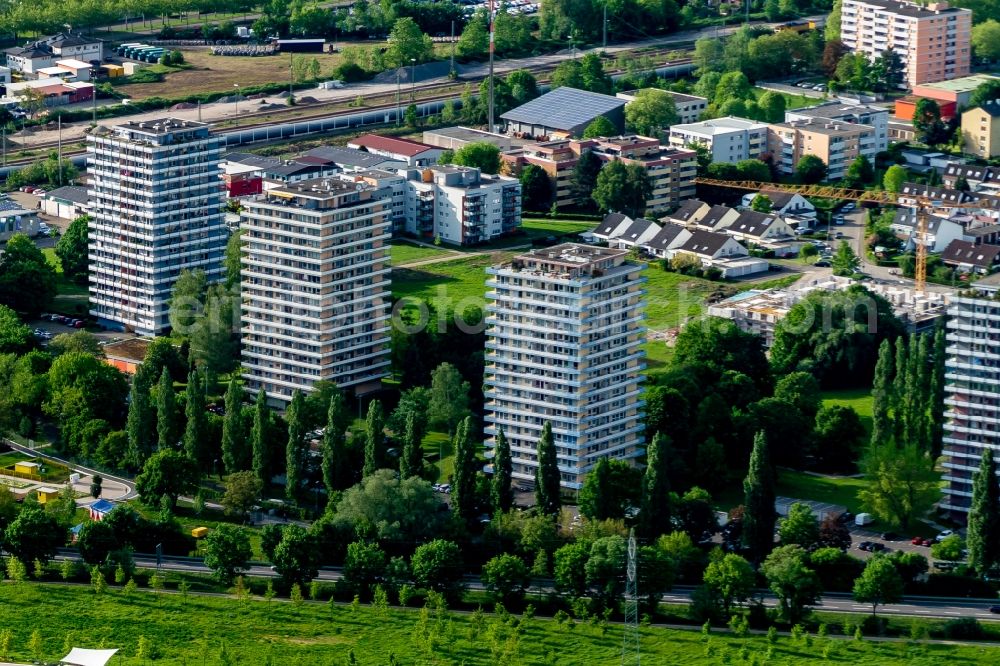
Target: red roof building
[{"x": 412, "y": 153}]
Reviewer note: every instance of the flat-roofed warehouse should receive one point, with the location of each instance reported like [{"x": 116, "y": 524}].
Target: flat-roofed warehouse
[{"x": 563, "y": 112}]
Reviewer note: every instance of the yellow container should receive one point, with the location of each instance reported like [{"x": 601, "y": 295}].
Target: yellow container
[{"x": 199, "y": 532}]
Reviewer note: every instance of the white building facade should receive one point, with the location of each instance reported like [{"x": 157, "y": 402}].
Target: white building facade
[
  {"x": 729, "y": 139},
  {"x": 564, "y": 345},
  {"x": 156, "y": 209},
  {"x": 315, "y": 281},
  {"x": 972, "y": 389}
]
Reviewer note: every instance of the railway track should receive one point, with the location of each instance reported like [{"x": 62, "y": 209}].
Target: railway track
[{"x": 426, "y": 94}]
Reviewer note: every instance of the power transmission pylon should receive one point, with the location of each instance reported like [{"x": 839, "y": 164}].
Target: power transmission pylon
[{"x": 630, "y": 643}]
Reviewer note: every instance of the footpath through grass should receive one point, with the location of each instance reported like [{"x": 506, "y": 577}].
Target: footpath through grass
[{"x": 215, "y": 630}]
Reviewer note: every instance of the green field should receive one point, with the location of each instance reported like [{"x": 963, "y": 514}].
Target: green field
[
  {"x": 830, "y": 489},
  {"x": 65, "y": 288},
  {"x": 859, "y": 399},
  {"x": 449, "y": 281},
  {"x": 792, "y": 101},
  {"x": 541, "y": 226},
  {"x": 404, "y": 253},
  {"x": 54, "y": 473},
  {"x": 213, "y": 630}
]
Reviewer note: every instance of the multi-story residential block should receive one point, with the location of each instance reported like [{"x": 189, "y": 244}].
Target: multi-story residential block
[
  {"x": 315, "y": 284},
  {"x": 156, "y": 209},
  {"x": 460, "y": 205},
  {"x": 838, "y": 112},
  {"x": 837, "y": 144},
  {"x": 972, "y": 389},
  {"x": 564, "y": 345},
  {"x": 932, "y": 40},
  {"x": 981, "y": 130},
  {"x": 689, "y": 107},
  {"x": 728, "y": 139},
  {"x": 671, "y": 170}
]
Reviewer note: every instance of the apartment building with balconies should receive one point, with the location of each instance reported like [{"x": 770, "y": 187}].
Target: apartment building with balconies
[
  {"x": 156, "y": 210},
  {"x": 671, "y": 170},
  {"x": 315, "y": 287},
  {"x": 932, "y": 40},
  {"x": 729, "y": 139},
  {"x": 972, "y": 389},
  {"x": 564, "y": 345},
  {"x": 836, "y": 143},
  {"x": 840, "y": 112}
]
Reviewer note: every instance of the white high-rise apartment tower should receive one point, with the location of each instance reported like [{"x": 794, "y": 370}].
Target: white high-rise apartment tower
[
  {"x": 564, "y": 344},
  {"x": 315, "y": 288},
  {"x": 157, "y": 209},
  {"x": 972, "y": 389}
]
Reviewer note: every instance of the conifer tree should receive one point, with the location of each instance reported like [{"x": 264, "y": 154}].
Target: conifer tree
[
  {"x": 758, "y": 501},
  {"x": 920, "y": 415},
  {"x": 233, "y": 438},
  {"x": 196, "y": 429},
  {"x": 297, "y": 447},
  {"x": 984, "y": 516},
  {"x": 899, "y": 389},
  {"x": 501, "y": 492},
  {"x": 258, "y": 438},
  {"x": 913, "y": 422},
  {"x": 411, "y": 462},
  {"x": 336, "y": 476},
  {"x": 166, "y": 412},
  {"x": 655, "y": 516},
  {"x": 882, "y": 394},
  {"x": 374, "y": 435},
  {"x": 463, "y": 487},
  {"x": 138, "y": 427},
  {"x": 547, "y": 476},
  {"x": 936, "y": 383}
]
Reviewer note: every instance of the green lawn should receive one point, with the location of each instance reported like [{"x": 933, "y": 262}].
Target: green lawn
[
  {"x": 449, "y": 281},
  {"x": 64, "y": 286},
  {"x": 541, "y": 226},
  {"x": 830, "y": 489},
  {"x": 213, "y": 630},
  {"x": 404, "y": 253},
  {"x": 673, "y": 298},
  {"x": 791, "y": 101},
  {"x": 859, "y": 399},
  {"x": 54, "y": 473}
]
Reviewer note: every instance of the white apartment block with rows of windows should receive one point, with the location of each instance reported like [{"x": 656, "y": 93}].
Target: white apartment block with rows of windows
[
  {"x": 972, "y": 389},
  {"x": 156, "y": 209},
  {"x": 564, "y": 345},
  {"x": 315, "y": 280}
]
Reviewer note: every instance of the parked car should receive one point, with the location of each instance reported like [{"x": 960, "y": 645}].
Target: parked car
[
  {"x": 916, "y": 541},
  {"x": 877, "y": 547},
  {"x": 943, "y": 535},
  {"x": 822, "y": 264},
  {"x": 994, "y": 609},
  {"x": 865, "y": 545},
  {"x": 890, "y": 536}
]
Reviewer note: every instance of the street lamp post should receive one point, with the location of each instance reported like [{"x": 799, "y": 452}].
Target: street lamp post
[
  {"x": 413, "y": 65},
  {"x": 236, "y": 99}
]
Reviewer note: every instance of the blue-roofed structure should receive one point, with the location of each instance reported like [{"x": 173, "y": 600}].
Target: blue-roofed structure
[
  {"x": 563, "y": 112},
  {"x": 101, "y": 508}
]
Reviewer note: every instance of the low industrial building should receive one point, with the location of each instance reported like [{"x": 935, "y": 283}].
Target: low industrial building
[
  {"x": 45, "y": 52},
  {"x": 562, "y": 113},
  {"x": 412, "y": 153},
  {"x": 68, "y": 202},
  {"x": 453, "y": 138}
]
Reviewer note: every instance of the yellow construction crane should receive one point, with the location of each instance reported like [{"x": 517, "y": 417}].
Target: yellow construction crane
[{"x": 923, "y": 205}]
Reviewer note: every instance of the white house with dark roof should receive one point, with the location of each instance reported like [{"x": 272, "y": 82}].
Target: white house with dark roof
[
  {"x": 670, "y": 237},
  {"x": 709, "y": 246},
  {"x": 717, "y": 218},
  {"x": 971, "y": 258},
  {"x": 940, "y": 230},
  {"x": 636, "y": 234},
  {"x": 42, "y": 53},
  {"x": 755, "y": 227},
  {"x": 784, "y": 203},
  {"x": 412, "y": 153},
  {"x": 974, "y": 175},
  {"x": 612, "y": 226},
  {"x": 689, "y": 212}
]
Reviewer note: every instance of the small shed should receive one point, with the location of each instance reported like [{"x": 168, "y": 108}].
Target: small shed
[
  {"x": 46, "y": 494},
  {"x": 199, "y": 532},
  {"x": 28, "y": 468}
]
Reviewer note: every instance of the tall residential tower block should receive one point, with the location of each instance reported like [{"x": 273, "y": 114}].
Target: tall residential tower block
[
  {"x": 157, "y": 209},
  {"x": 564, "y": 344},
  {"x": 315, "y": 282}
]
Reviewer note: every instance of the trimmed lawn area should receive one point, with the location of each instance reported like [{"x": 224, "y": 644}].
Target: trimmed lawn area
[
  {"x": 541, "y": 226},
  {"x": 859, "y": 399},
  {"x": 832, "y": 489},
  {"x": 63, "y": 286},
  {"x": 200, "y": 629},
  {"x": 402, "y": 252},
  {"x": 791, "y": 101},
  {"x": 54, "y": 472},
  {"x": 673, "y": 298},
  {"x": 448, "y": 281}
]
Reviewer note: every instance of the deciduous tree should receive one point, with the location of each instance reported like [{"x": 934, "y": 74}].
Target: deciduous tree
[
  {"x": 792, "y": 581},
  {"x": 879, "y": 583},
  {"x": 228, "y": 552},
  {"x": 732, "y": 578},
  {"x": 902, "y": 484},
  {"x": 651, "y": 112},
  {"x": 72, "y": 250},
  {"x": 166, "y": 472}
]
